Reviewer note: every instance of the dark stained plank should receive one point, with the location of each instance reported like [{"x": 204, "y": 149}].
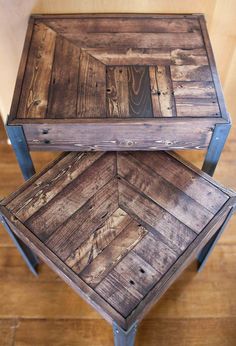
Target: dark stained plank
[
  {"x": 47, "y": 186},
  {"x": 148, "y": 25},
  {"x": 117, "y": 95},
  {"x": 156, "y": 253},
  {"x": 68, "y": 201},
  {"x": 194, "y": 90},
  {"x": 133, "y": 278},
  {"x": 189, "y": 57},
  {"x": 196, "y": 107},
  {"x": 155, "y": 219},
  {"x": 91, "y": 87},
  {"x": 180, "y": 205},
  {"x": 125, "y": 134},
  {"x": 136, "y": 273},
  {"x": 34, "y": 95},
  {"x": 139, "y": 92},
  {"x": 122, "y": 300},
  {"x": 112, "y": 254},
  {"x": 84, "y": 222},
  {"x": 98, "y": 240},
  {"x": 193, "y": 184},
  {"x": 62, "y": 101},
  {"x": 191, "y": 73},
  {"x": 137, "y": 40}
]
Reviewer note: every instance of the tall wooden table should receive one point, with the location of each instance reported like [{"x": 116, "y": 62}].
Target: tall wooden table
[{"x": 117, "y": 82}]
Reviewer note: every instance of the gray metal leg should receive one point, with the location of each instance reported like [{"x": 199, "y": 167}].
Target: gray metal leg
[
  {"x": 30, "y": 259},
  {"x": 122, "y": 337},
  {"x": 19, "y": 144},
  {"x": 208, "y": 248},
  {"x": 214, "y": 151},
  {"x": 215, "y": 148}
]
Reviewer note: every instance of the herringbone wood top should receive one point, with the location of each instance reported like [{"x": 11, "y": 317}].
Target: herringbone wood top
[{"x": 118, "y": 227}]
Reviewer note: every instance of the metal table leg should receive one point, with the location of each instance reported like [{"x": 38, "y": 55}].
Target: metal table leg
[
  {"x": 122, "y": 337},
  {"x": 214, "y": 151},
  {"x": 19, "y": 144},
  {"x": 208, "y": 248},
  {"x": 28, "y": 256}
]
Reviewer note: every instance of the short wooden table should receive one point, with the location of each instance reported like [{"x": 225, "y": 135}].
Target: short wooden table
[
  {"x": 117, "y": 82},
  {"x": 118, "y": 227}
]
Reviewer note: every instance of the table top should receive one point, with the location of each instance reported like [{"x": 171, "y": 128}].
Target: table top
[
  {"x": 118, "y": 227},
  {"x": 113, "y": 67}
]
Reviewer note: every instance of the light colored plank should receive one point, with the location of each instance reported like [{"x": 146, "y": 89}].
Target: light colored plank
[
  {"x": 165, "y": 91},
  {"x": 117, "y": 92},
  {"x": 191, "y": 73},
  {"x": 156, "y": 107},
  {"x": 98, "y": 240},
  {"x": 112, "y": 254}
]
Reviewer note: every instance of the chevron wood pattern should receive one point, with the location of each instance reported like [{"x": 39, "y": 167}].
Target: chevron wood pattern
[
  {"x": 118, "y": 227},
  {"x": 141, "y": 72}
]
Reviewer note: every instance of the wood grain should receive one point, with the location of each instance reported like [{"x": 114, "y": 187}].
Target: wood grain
[
  {"x": 91, "y": 87},
  {"x": 168, "y": 72},
  {"x": 68, "y": 201},
  {"x": 183, "y": 208},
  {"x": 98, "y": 240},
  {"x": 62, "y": 102},
  {"x": 139, "y": 92},
  {"x": 112, "y": 254},
  {"x": 34, "y": 95},
  {"x": 117, "y": 92}
]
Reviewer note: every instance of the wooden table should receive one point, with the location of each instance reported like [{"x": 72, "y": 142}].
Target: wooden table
[
  {"x": 118, "y": 227},
  {"x": 117, "y": 82}
]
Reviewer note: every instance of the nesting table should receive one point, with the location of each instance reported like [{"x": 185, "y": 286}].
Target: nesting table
[
  {"x": 118, "y": 227},
  {"x": 117, "y": 83}
]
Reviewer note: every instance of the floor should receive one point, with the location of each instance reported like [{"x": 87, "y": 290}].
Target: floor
[{"x": 199, "y": 309}]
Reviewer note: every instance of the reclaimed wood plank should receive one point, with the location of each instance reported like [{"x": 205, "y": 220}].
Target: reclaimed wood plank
[
  {"x": 117, "y": 93},
  {"x": 119, "y": 298},
  {"x": 62, "y": 101},
  {"x": 91, "y": 87},
  {"x": 130, "y": 280},
  {"x": 106, "y": 24},
  {"x": 156, "y": 253},
  {"x": 191, "y": 73},
  {"x": 68, "y": 201},
  {"x": 165, "y": 92},
  {"x": 84, "y": 222},
  {"x": 151, "y": 184},
  {"x": 98, "y": 240},
  {"x": 112, "y": 254},
  {"x": 155, "y": 219},
  {"x": 196, "y": 107},
  {"x": 131, "y": 56},
  {"x": 137, "y": 40},
  {"x": 34, "y": 95},
  {"x": 47, "y": 186},
  {"x": 139, "y": 92},
  {"x": 194, "y": 90},
  {"x": 192, "y": 183},
  {"x": 156, "y": 107},
  {"x": 136, "y": 273},
  {"x": 129, "y": 134},
  {"x": 196, "y": 56}
]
